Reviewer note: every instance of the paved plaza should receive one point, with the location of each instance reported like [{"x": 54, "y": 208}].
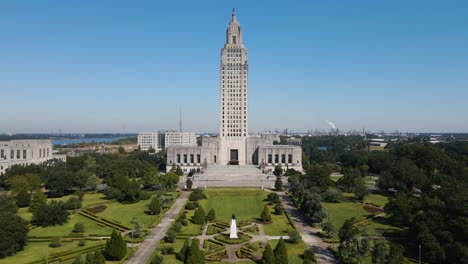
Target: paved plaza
[{"x": 233, "y": 176}]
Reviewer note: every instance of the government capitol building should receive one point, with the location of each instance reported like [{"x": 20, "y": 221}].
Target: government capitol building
[{"x": 234, "y": 146}]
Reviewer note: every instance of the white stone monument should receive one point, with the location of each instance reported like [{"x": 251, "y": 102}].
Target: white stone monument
[{"x": 233, "y": 233}]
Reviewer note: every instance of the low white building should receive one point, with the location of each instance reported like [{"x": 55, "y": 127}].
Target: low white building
[
  {"x": 164, "y": 139},
  {"x": 25, "y": 152}
]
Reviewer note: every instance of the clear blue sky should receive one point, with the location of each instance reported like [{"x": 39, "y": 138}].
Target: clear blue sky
[{"x": 114, "y": 66}]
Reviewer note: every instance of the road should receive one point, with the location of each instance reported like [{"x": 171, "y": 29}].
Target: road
[
  {"x": 308, "y": 233},
  {"x": 147, "y": 247}
]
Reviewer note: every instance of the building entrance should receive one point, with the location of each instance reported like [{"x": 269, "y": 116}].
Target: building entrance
[{"x": 234, "y": 157}]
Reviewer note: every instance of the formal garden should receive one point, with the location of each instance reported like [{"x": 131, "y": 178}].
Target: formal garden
[{"x": 262, "y": 225}]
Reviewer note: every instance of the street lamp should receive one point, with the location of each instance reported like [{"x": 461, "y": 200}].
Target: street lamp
[{"x": 420, "y": 254}]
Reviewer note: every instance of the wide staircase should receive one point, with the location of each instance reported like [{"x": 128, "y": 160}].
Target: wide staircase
[{"x": 233, "y": 175}]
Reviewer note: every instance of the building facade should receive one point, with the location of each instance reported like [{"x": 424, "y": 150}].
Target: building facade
[
  {"x": 234, "y": 146},
  {"x": 25, "y": 152},
  {"x": 164, "y": 139}
]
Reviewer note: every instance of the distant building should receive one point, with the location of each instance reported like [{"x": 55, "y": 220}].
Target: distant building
[
  {"x": 164, "y": 139},
  {"x": 377, "y": 144},
  {"x": 294, "y": 141},
  {"x": 25, "y": 152}
]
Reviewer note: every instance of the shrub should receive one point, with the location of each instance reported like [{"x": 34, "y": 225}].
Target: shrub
[
  {"x": 167, "y": 250},
  {"x": 177, "y": 227},
  {"x": 211, "y": 216},
  {"x": 116, "y": 248},
  {"x": 170, "y": 236},
  {"x": 154, "y": 206},
  {"x": 23, "y": 199},
  {"x": 309, "y": 256},
  {"x": 82, "y": 243},
  {"x": 265, "y": 216},
  {"x": 79, "y": 228},
  {"x": 278, "y": 184},
  {"x": 274, "y": 198},
  {"x": 158, "y": 259},
  {"x": 56, "y": 242},
  {"x": 73, "y": 203},
  {"x": 332, "y": 195},
  {"x": 184, "y": 222},
  {"x": 197, "y": 195},
  {"x": 294, "y": 236},
  {"x": 190, "y": 206},
  {"x": 278, "y": 209},
  {"x": 281, "y": 252},
  {"x": 199, "y": 216}
]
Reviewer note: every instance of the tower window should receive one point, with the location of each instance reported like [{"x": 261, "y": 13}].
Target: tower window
[{"x": 234, "y": 39}]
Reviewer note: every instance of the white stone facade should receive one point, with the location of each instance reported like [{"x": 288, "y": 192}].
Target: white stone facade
[
  {"x": 234, "y": 146},
  {"x": 25, "y": 152},
  {"x": 233, "y": 125},
  {"x": 164, "y": 139}
]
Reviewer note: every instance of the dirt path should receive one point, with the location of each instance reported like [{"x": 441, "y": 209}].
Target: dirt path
[{"x": 147, "y": 247}]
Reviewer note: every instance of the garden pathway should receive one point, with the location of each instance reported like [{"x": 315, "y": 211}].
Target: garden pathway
[
  {"x": 309, "y": 234},
  {"x": 147, "y": 247}
]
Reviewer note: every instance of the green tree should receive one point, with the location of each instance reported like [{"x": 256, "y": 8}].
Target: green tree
[
  {"x": 328, "y": 228},
  {"x": 116, "y": 248},
  {"x": 179, "y": 171},
  {"x": 188, "y": 184},
  {"x": 195, "y": 256},
  {"x": 26, "y": 182},
  {"x": 154, "y": 206},
  {"x": 73, "y": 203},
  {"x": 281, "y": 252},
  {"x": 211, "y": 216},
  {"x": 121, "y": 150},
  {"x": 379, "y": 252},
  {"x": 268, "y": 256},
  {"x": 199, "y": 216},
  {"x": 294, "y": 236},
  {"x": 38, "y": 199},
  {"x": 95, "y": 258},
  {"x": 55, "y": 242},
  {"x": 395, "y": 255},
  {"x": 278, "y": 183},
  {"x": 265, "y": 216},
  {"x": 312, "y": 206},
  {"x": 79, "y": 228},
  {"x": 278, "y": 171},
  {"x": 50, "y": 214},
  {"x": 13, "y": 233},
  {"x": 23, "y": 199},
  {"x": 184, "y": 252},
  {"x": 360, "y": 190},
  {"x": 309, "y": 256}
]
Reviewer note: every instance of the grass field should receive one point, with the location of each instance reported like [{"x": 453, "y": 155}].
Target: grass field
[
  {"x": 39, "y": 250},
  {"x": 294, "y": 251},
  {"x": 339, "y": 212},
  {"x": 246, "y": 204},
  {"x": 376, "y": 199},
  {"x": 91, "y": 227}
]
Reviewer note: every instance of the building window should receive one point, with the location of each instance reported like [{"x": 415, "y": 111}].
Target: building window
[
  {"x": 276, "y": 158},
  {"x": 12, "y": 154},
  {"x": 198, "y": 158},
  {"x": 2, "y": 153},
  {"x": 283, "y": 158},
  {"x": 185, "y": 158},
  {"x": 192, "y": 158},
  {"x": 269, "y": 158},
  {"x": 289, "y": 158},
  {"x": 178, "y": 158},
  {"x": 24, "y": 154},
  {"x": 18, "y": 154}
]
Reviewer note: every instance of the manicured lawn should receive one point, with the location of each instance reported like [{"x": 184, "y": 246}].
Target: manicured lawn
[
  {"x": 38, "y": 250},
  {"x": 90, "y": 199},
  {"x": 279, "y": 226},
  {"x": 294, "y": 251},
  {"x": 24, "y": 213},
  {"x": 335, "y": 178},
  {"x": 380, "y": 225},
  {"x": 246, "y": 204},
  {"x": 339, "y": 212},
  {"x": 126, "y": 213},
  {"x": 376, "y": 199},
  {"x": 91, "y": 227}
]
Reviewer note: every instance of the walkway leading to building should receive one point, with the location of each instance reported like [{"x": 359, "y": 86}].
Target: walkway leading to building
[
  {"x": 308, "y": 233},
  {"x": 233, "y": 175},
  {"x": 147, "y": 247}
]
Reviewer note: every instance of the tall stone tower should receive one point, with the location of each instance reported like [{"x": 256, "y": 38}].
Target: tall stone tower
[{"x": 233, "y": 123}]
